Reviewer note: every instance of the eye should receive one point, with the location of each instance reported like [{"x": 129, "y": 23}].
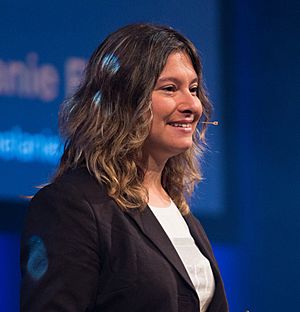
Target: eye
[
  {"x": 194, "y": 89},
  {"x": 169, "y": 88}
]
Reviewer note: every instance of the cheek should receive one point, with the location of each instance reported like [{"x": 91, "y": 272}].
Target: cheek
[
  {"x": 161, "y": 108},
  {"x": 158, "y": 116}
]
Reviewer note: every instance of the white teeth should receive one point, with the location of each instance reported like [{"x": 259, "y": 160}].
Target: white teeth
[{"x": 180, "y": 125}]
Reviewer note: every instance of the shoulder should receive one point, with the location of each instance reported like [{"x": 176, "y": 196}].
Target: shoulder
[
  {"x": 77, "y": 184},
  {"x": 74, "y": 198},
  {"x": 69, "y": 195},
  {"x": 66, "y": 209}
]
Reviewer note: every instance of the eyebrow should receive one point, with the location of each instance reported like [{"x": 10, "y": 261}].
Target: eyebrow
[{"x": 174, "y": 79}]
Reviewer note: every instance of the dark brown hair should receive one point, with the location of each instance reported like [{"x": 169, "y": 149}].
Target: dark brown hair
[{"x": 107, "y": 120}]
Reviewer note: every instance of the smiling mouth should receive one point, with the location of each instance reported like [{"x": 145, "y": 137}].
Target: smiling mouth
[{"x": 180, "y": 125}]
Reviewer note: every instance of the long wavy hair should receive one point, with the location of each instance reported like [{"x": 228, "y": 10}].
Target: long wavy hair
[{"x": 107, "y": 120}]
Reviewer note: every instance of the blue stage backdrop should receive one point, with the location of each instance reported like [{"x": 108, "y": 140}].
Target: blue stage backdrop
[{"x": 43, "y": 53}]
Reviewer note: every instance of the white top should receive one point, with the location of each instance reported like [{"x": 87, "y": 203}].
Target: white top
[{"x": 197, "y": 266}]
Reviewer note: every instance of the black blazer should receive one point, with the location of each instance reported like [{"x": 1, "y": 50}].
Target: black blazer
[{"x": 80, "y": 252}]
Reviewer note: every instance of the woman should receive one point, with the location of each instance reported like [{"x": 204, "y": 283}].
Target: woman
[{"x": 113, "y": 232}]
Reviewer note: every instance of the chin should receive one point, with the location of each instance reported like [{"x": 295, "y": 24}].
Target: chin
[
  {"x": 185, "y": 146},
  {"x": 180, "y": 150}
]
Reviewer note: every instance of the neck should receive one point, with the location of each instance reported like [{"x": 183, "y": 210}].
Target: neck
[{"x": 152, "y": 182}]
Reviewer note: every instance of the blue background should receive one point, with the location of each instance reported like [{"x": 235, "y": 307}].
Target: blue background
[{"x": 249, "y": 203}]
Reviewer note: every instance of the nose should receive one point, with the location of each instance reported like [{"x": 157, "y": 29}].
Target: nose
[{"x": 190, "y": 103}]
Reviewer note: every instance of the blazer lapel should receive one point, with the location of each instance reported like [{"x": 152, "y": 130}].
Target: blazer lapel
[
  {"x": 201, "y": 244},
  {"x": 152, "y": 229},
  {"x": 199, "y": 239},
  {"x": 219, "y": 302}
]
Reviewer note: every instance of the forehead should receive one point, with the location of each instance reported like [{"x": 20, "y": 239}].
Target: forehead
[{"x": 178, "y": 63}]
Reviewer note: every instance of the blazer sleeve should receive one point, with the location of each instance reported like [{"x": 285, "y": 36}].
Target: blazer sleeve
[{"x": 60, "y": 259}]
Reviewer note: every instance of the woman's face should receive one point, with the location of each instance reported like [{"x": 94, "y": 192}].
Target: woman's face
[{"x": 176, "y": 109}]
